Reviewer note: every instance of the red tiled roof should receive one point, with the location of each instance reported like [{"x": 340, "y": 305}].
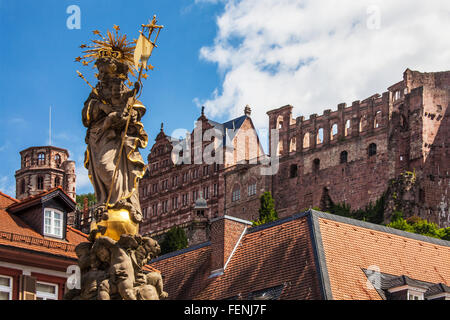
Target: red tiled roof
[
  {"x": 36, "y": 198},
  {"x": 349, "y": 249},
  {"x": 312, "y": 255},
  {"x": 6, "y": 200},
  {"x": 14, "y": 232},
  {"x": 280, "y": 255}
]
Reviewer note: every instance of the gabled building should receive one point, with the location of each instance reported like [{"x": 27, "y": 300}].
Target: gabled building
[
  {"x": 36, "y": 245},
  {"x": 169, "y": 189},
  {"x": 310, "y": 255}
]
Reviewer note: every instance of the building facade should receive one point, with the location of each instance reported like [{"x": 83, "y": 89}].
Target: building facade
[
  {"x": 394, "y": 145},
  {"x": 36, "y": 246},
  {"x": 44, "y": 168},
  {"x": 170, "y": 187}
]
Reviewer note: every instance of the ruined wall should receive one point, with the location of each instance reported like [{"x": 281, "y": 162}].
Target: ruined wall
[{"x": 409, "y": 126}]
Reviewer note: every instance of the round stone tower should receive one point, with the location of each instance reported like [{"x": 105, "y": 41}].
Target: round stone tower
[
  {"x": 44, "y": 168},
  {"x": 70, "y": 178}
]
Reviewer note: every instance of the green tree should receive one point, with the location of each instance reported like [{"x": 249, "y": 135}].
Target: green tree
[
  {"x": 418, "y": 225},
  {"x": 267, "y": 212},
  {"x": 80, "y": 199},
  {"x": 397, "y": 222},
  {"x": 175, "y": 239}
]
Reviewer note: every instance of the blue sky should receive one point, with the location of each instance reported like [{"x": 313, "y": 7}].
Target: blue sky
[
  {"x": 223, "y": 54},
  {"x": 38, "y": 70}
]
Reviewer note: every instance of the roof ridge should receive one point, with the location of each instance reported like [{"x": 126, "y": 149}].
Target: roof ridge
[
  {"x": 40, "y": 195},
  {"x": 77, "y": 231},
  {"x": 9, "y": 197},
  {"x": 179, "y": 252},
  {"x": 279, "y": 221},
  {"x": 379, "y": 227}
]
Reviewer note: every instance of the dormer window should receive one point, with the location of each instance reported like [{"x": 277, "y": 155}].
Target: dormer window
[
  {"x": 414, "y": 295},
  {"x": 53, "y": 223}
]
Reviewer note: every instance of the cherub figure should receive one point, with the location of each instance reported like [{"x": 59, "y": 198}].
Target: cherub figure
[
  {"x": 90, "y": 277},
  {"x": 121, "y": 272}
]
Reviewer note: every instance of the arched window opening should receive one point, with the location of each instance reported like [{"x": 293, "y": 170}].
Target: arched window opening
[
  {"x": 58, "y": 160},
  {"x": 347, "y": 128},
  {"x": 306, "y": 140},
  {"x": 293, "y": 145},
  {"x": 280, "y": 122},
  {"x": 334, "y": 131},
  {"x": 280, "y": 148},
  {"x": 316, "y": 165},
  {"x": 377, "y": 120},
  {"x": 236, "y": 194},
  {"x": 372, "y": 150},
  {"x": 293, "y": 172},
  {"x": 320, "y": 136},
  {"x": 57, "y": 181},
  {"x": 343, "y": 157}
]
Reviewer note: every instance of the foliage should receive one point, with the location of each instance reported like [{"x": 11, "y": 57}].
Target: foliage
[
  {"x": 267, "y": 212},
  {"x": 418, "y": 225},
  {"x": 80, "y": 199},
  {"x": 372, "y": 212},
  {"x": 175, "y": 239}
]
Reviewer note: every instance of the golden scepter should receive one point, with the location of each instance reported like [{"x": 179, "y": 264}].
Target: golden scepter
[
  {"x": 94, "y": 89},
  {"x": 142, "y": 53}
]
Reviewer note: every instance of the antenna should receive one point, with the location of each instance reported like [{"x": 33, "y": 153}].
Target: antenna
[{"x": 50, "y": 126}]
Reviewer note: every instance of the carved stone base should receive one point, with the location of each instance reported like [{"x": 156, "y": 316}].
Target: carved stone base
[{"x": 112, "y": 270}]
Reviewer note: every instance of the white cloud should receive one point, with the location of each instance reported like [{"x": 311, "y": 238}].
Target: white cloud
[
  {"x": 315, "y": 54},
  {"x": 83, "y": 183}
]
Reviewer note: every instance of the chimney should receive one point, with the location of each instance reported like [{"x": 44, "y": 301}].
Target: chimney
[
  {"x": 226, "y": 234},
  {"x": 85, "y": 209}
]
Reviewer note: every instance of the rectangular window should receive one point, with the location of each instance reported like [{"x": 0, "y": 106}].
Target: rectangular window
[
  {"x": 53, "y": 223},
  {"x": 155, "y": 209},
  {"x": 144, "y": 213},
  {"x": 194, "y": 195},
  {"x": 6, "y": 284},
  {"x": 252, "y": 189},
  {"x": 185, "y": 199},
  {"x": 216, "y": 190},
  {"x": 175, "y": 203},
  {"x": 46, "y": 291},
  {"x": 236, "y": 195},
  {"x": 206, "y": 192},
  {"x": 165, "y": 206}
]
